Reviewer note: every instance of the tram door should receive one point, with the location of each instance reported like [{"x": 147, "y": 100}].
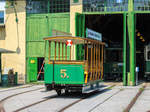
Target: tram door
[{"x": 32, "y": 69}]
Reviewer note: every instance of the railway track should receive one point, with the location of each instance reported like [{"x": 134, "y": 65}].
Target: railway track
[
  {"x": 77, "y": 101},
  {"x": 87, "y": 96},
  {"x": 15, "y": 88},
  {"x": 2, "y": 101},
  {"x": 28, "y": 106},
  {"x": 133, "y": 101},
  {"x": 52, "y": 97}
]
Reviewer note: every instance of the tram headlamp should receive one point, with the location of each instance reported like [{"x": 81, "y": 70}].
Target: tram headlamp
[{"x": 138, "y": 34}]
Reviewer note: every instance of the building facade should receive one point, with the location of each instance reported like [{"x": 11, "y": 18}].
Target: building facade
[{"x": 28, "y": 21}]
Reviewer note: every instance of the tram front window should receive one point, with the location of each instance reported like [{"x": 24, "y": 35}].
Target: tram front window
[
  {"x": 148, "y": 55},
  {"x": 113, "y": 55}
]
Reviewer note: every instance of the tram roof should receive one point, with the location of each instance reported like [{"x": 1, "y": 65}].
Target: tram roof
[{"x": 75, "y": 40}]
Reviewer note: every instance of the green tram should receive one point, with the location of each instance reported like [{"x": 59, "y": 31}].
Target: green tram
[
  {"x": 147, "y": 62},
  {"x": 113, "y": 63},
  {"x": 64, "y": 72}
]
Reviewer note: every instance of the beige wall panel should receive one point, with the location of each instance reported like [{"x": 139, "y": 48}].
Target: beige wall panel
[
  {"x": 73, "y": 10},
  {"x": 15, "y": 39}
]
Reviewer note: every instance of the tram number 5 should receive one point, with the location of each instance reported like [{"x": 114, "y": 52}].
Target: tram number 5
[{"x": 63, "y": 71}]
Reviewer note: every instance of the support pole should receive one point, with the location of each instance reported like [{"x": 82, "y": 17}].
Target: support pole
[
  {"x": 102, "y": 61},
  {"x": 131, "y": 34},
  {"x": 70, "y": 53},
  {"x": 55, "y": 51},
  {"x": 66, "y": 52},
  {"x": 132, "y": 50},
  {"x": 86, "y": 58},
  {"x": 131, "y": 31},
  {"x": 91, "y": 62},
  {"x": 49, "y": 55},
  {"x": 94, "y": 64},
  {"x": 124, "y": 50},
  {"x": 59, "y": 50},
  {"x": 99, "y": 61},
  {"x": 62, "y": 50}
]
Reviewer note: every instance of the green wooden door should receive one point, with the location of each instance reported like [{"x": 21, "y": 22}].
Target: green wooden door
[
  {"x": 80, "y": 31},
  {"x": 32, "y": 69}
]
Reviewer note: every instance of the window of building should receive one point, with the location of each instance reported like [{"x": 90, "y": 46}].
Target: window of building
[
  {"x": 57, "y": 6},
  {"x": 37, "y": 6},
  {"x": 1, "y": 17},
  {"x": 48, "y": 6},
  {"x": 2, "y": 12},
  {"x": 75, "y": 1},
  {"x": 142, "y": 5},
  {"x": 105, "y": 5}
]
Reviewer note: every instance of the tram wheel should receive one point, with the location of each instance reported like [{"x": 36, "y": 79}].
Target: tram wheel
[
  {"x": 58, "y": 92},
  {"x": 66, "y": 92}
]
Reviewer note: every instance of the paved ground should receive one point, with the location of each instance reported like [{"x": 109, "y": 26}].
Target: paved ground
[
  {"x": 143, "y": 102},
  {"x": 115, "y": 99}
]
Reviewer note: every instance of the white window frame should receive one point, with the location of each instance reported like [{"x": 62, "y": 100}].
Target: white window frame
[{"x": 2, "y": 9}]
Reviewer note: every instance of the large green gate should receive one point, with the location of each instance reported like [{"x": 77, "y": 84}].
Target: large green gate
[{"x": 39, "y": 26}]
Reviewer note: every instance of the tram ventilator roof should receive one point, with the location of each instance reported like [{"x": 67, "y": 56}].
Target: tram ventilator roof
[{"x": 75, "y": 40}]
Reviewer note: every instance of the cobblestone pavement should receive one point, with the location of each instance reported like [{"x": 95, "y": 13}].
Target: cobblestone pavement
[{"x": 114, "y": 99}]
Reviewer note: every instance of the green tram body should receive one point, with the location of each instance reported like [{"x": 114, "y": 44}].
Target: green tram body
[
  {"x": 113, "y": 64},
  {"x": 147, "y": 62},
  {"x": 73, "y": 75}
]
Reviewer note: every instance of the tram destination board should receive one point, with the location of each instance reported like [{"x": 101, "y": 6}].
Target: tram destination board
[{"x": 93, "y": 34}]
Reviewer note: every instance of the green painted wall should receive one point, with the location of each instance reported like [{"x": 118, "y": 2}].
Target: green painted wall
[
  {"x": 37, "y": 27},
  {"x": 41, "y": 25}
]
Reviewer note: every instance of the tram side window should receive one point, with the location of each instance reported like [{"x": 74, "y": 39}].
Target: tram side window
[
  {"x": 113, "y": 56},
  {"x": 148, "y": 55}
]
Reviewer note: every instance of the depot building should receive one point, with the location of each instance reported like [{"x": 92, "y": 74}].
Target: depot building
[{"x": 123, "y": 24}]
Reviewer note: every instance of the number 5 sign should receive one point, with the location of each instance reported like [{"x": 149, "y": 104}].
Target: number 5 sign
[{"x": 63, "y": 71}]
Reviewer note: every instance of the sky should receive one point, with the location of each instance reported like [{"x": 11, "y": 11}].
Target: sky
[{"x": 2, "y": 5}]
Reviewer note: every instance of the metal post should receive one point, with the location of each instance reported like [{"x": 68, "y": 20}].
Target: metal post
[
  {"x": 124, "y": 50},
  {"x": 102, "y": 61},
  {"x": 94, "y": 63},
  {"x": 59, "y": 50},
  {"x": 66, "y": 52},
  {"x": 131, "y": 31},
  {"x": 137, "y": 70},
  {"x": 62, "y": 50},
  {"x": 99, "y": 61},
  {"x": 91, "y": 62},
  {"x": 70, "y": 52},
  {"x": 86, "y": 49},
  {"x": 49, "y": 51},
  {"x": 55, "y": 51}
]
